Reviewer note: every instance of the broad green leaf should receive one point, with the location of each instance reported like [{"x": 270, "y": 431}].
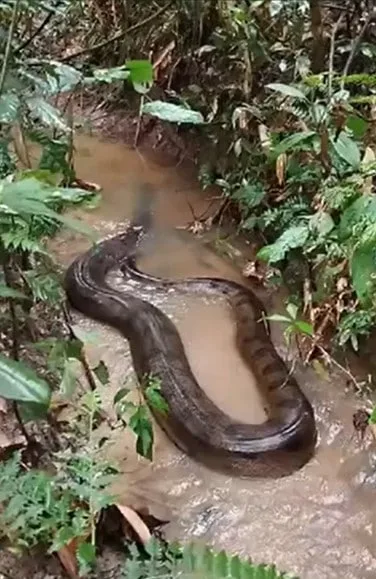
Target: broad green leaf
[
  {"x": 62, "y": 77},
  {"x": 347, "y": 149},
  {"x": 8, "y": 292},
  {"x": 29, "y": 197},
  {"x": 18, "y": 382},
  {"x": 363, "y": 272},
  {"x": 287, "y": 90},
  {"x": 322, "y": 222},
  {"x": 173, "y": 113},
  {"x": 360, "y": 212},
  {"x": 293, "y": 142},
  {"x": 357, "y": 125},
  {"x": 42, "y": 110},
  {"x": 294, "y": 237},
  {"x": 9, "y": 105},
  {"x": 141, "y": 71}
]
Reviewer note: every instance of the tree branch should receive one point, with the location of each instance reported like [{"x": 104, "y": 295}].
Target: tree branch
[{"x": 119, "y": 35}]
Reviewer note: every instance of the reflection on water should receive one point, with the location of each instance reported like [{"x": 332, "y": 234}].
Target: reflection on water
[{"x": 318, "y": 523}]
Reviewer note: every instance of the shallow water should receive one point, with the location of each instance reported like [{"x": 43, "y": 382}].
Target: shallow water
[{"x": 318, "y": 523}]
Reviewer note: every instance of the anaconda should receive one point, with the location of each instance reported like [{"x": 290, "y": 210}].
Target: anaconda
[{"x": 275, "y": 448}]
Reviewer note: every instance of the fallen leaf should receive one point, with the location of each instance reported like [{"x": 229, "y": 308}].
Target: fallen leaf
[
  {"x": 136, "y": 523},
  {"x": 67, "y": 556},
  {"x": 280, "y": 168}
]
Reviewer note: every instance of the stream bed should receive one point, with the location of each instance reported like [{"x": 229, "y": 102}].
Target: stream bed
[{"x": 318, "y": 523}]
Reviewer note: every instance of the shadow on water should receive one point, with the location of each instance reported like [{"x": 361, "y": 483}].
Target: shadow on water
[{"x": 319, "y": 522}]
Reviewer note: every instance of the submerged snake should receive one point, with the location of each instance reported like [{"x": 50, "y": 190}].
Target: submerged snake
[{"x": 277, "y": 447}]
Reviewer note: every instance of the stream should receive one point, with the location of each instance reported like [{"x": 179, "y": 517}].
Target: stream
[{"x": 318, "y": 523}]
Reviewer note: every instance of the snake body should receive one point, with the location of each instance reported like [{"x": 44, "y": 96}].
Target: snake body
[{"x": 275, "y": 448}]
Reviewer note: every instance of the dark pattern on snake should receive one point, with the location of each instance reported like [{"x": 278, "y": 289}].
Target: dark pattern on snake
[{"x": 275, "y": 448}]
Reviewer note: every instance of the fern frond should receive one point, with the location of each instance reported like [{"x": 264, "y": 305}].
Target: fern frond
[{"x": 193, "y": 561}]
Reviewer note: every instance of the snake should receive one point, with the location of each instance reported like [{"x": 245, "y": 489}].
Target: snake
[{"x": 279, "y": 446}]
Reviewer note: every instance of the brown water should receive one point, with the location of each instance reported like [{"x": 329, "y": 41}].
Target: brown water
[{"x": 318, "y": 523}]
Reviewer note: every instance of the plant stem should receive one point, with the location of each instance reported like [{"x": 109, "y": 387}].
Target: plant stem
[
  {"x": 15, "y": 345},
  {"x": 9, "y": 45}
]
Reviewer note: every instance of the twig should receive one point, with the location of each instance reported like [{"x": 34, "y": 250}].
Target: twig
[
  {"x": 34, "y": 35},
  {"x": 119, "y": 35},
  {"x": 142, "y": 98},
  {"x": 84, "y": 362},
  {"x": 9, "y": 45},
  {"x": 340, "y": 367},
  {"x": 15, "y": 350},
  {"x": 331, "y": 54},
  {"x": 355, "y": 46}
]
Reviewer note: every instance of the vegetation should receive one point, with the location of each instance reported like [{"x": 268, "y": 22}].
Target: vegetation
[{"x": 300, "y": 179}]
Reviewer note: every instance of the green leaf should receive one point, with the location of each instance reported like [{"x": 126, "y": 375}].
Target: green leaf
[
  {"x": 293, "y": 142},
  {"x": 279, "y": 318},
  {"x": 120, "y": 394},
  {"x": 8, "y": 292},
  {"x": 292, "y": 310},
  {"x": 40, "y": 109},
  {"x": 372, "y": 418},
  {"x": 9, "y": 105},
  {"x": 304, "y": 327},
  {"x": 347, "y": 149},
  {"x": 357, "y": 125},
  {"x": 69, "y": 380},
  {"x": 18, "y": 382},
  {"x": 287, "y": 90},
  {"x": 141, "y": 71},
  {"x": 295, "y": 236},
  {"x": 141, "y": 426},
  {"x": 101, "y": 372},
  {"x": 155, "y": 399},
  {"x": 30, "y": 411},
  {"x": 86, "y": 557},
  {"x": 363, "y": 272},
  {"x": 173, "y": 113},
  {"x": 322, "y": 222}
]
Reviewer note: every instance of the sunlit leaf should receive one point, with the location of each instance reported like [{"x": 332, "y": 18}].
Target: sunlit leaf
[
  {"x": 173, "y": 113},
  {"x": 42, "y": 110},
  {"x": 291, "y": 238},
  {"x": 347, "y": 149},
  {"x": 287, "y": 90},
  {"x": 18, "y": 382},
  {"x": 9, "y": 105}
]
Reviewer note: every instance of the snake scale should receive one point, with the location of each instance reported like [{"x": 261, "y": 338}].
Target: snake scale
[{"x": 275, "y": 448}]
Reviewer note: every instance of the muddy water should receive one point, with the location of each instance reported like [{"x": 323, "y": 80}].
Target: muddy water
[{"x": 318, "y": 523}]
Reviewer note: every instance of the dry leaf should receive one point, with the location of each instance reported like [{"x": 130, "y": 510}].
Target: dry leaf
[
  {"x": 369, "y": 157},
  {"x": 264, "y": 137},
  {"x": 67, "y": 556},
  {"x": 280, "y": 168},
  {"x": 136, "y": 523},
  {"x": 3, "y": 405}
]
